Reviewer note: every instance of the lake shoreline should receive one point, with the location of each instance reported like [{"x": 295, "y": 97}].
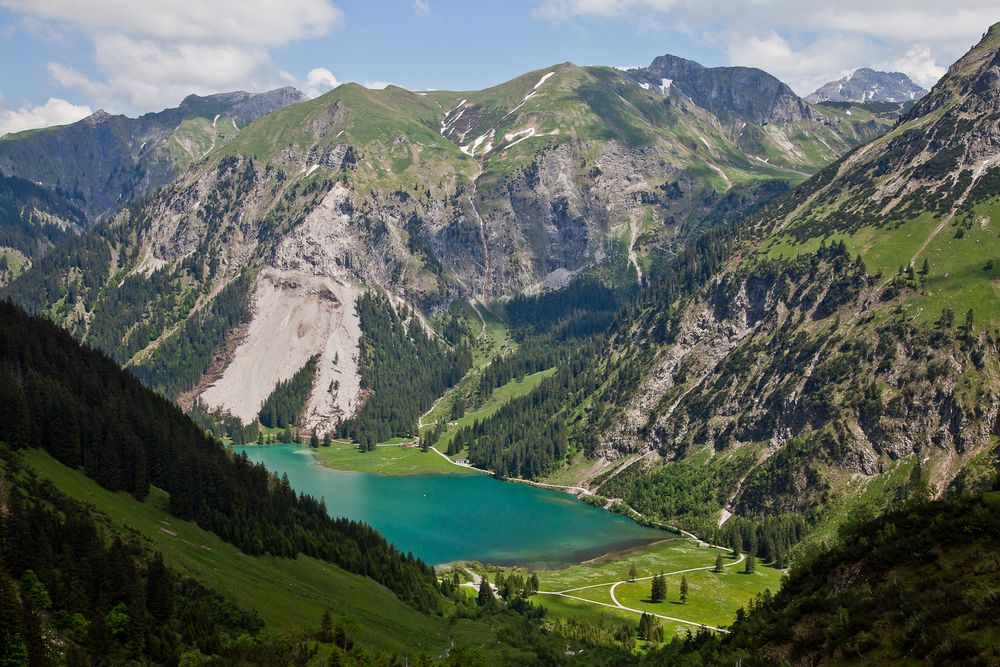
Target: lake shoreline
[{"x": 461, "y": 517}]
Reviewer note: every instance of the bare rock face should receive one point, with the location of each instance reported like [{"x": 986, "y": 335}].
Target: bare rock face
[
  {"x": 786, "y": 360},
  {"x": 744, "y": 92},
  {"x": 296, "y": 316}
]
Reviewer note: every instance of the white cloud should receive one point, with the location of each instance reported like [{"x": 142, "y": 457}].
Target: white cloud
[
  {"x": 561, "y": 10},
  {"x": 318, "y": 81},
  {"x": 808, "y": 43},
  {"x": 919, "y": 64},
  {"x": 422, "y": 7},
  {"x": 805, "y": 67},
  {"x": 151, "y": 54},
  {"x": 54, "y": 112},
  {"x": 146, "y": 75}
]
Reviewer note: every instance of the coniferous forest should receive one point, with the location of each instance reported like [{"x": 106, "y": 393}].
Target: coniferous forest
[
  {"x": 403, "y": 369},
  {"x": 68, "y": 593},
  {"x": 283, "y": 406}
]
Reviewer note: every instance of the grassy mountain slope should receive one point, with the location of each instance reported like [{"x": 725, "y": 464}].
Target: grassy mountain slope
[
  {"x": 927, "y": 190},
  {"x": 285, "y": 592}
]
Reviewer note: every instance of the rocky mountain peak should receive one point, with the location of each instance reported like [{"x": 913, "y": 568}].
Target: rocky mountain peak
[
  {"x": 745, "y": 92},
  {"x": 869, "y": 85},
  {"x": 98, "y": 116}
]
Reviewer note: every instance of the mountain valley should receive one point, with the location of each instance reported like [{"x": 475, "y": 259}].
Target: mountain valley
[{"x": 259, "y": 354}]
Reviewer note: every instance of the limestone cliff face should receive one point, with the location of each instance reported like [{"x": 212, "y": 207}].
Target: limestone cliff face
[{"x": 797, "y": 361}]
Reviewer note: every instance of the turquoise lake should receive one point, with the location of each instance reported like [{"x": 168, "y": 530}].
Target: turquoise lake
[{"x": 444, "y": 518}]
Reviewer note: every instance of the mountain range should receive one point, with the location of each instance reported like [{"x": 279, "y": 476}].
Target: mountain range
[
  {"x": 432, "y": 196},
  {"x": 746, "y": 370},
  {"x": 105, "y": 161},
  {"x": 681, "y": 293}
]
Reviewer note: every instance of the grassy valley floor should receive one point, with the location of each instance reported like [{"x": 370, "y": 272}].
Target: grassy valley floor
[
  {"x": 600, "y": 590},
  {"x": 388, "y": 458}
]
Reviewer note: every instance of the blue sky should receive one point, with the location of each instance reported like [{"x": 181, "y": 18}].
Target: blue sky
[{"x": 66, "y": 58}]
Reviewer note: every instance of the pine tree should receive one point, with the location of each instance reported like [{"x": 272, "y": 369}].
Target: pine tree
[
  {"x": 645, "y": 621},
  {"x": 326, "y": 439},
  {"x": 625, "y": 634},
  {"x": 684, "y": 590},
  {"x": 533, "y": 583},
  {"x": 632, "y": 572},
  {"x": 326, "y": 627},
  {"x": 13, "y": 648},
  {"x": 751, "y": 565},
  {"x": 718, "y": 562},
  {"x": 658, "y": 589},
  {"x": 159, "y": 589},
  {"x": 485, "y": 598},
  {"x": 314, "y": 440},
  {"x": 925, "y": 269},
  {"x": 260, "y": 437}
]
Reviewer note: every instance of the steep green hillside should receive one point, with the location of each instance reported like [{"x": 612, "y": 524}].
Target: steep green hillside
[
  {"x": 917, "y": 586},
  {"x": 33, "y": 219},
  {"x": 926, "y": 192},
  {"x": 286, "y": 593}
]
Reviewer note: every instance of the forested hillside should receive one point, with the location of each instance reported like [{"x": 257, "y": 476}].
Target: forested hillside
[
  {"x": 918, "y": 585},
  {"x": 404, "y": 367},
  {"x": 68, "y": 595},
  {"x": 78, "y": 405}
]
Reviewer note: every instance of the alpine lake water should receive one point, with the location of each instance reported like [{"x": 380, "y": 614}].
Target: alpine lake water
[{"x": 447, "y": 518}]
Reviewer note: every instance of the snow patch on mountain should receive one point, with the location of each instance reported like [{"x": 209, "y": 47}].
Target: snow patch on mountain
[{"x": 543, "y": 80}]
